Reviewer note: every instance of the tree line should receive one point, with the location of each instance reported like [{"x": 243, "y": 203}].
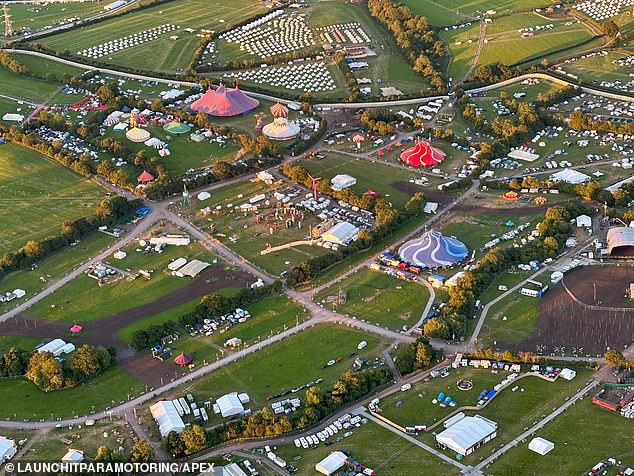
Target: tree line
[
  {"x": 108, "y": 212},
  {"x": 416, "y": 356}
]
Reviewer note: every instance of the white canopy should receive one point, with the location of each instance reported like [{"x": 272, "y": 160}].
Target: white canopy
[
  {"x": 466, "y": 434},
  {"x": 541, "y": 446},
  {"x": 331, "y": 463},
  {"x": 167, "y": 417},
  {"x": 230, "y": 405}
]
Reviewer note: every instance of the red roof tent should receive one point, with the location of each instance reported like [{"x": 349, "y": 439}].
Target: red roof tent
[
  {"x": 422, "y": 155},
  {"x": 183, "y": 360},
  {"x": 225, "y": 102},
  {"x": 145, "y": 177},
  {"x": 371, "y": 192},
  {"x": 76, "y": 329}
]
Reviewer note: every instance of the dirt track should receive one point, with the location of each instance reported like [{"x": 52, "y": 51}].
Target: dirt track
[
  {"x": 566, "y": 322},
  {"x": 102, "y": 331}
]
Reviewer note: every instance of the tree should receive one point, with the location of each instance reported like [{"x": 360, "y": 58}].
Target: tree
[
  {"x": 45, "y": 372},
  {"x": 194, "y": 439},
  {"x": 614, "y": 358},
  {"x": 610, "y": 29},
  {"x": 174, "y": 444},
  {"x": 89, "y": 360},
  {"x": 313, "y": 396},
  {"x": 141, "y": 452},
  {"x": 106, "y": 455},
  {"x": 424, "y": 354}
]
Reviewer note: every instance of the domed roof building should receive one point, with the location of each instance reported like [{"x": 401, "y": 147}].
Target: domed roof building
[
  {"x": 422, "y": 155},
  {"x": 136, "y": 134},
  {"x": 433, "y": 250},
  {"x": 225, "y": 102}
]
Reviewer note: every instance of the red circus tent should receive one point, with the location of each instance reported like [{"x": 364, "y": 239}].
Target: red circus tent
[
  {"x": 224, "y": 102},
  {"x": 422, "y": 155},
  {"x": 145, "y": 177},
  {"x": 183, "y": 360}
]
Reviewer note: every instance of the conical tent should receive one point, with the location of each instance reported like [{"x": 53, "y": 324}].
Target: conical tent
[
  {"x": 176, "y": 127},
  {"x": 225, "y": 102},
  {"x": 278, "y": 110},
  {"x": 183, "y": 360},
  {"x": 145, "y": 177},
  {"x": 422, "y": 155}
]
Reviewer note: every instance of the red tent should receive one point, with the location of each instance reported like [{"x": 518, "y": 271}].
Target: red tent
[
  {"x": 145, "y": 177},
  {"x": 224, "y": 102},
  {"x": 76, "y": 329},
  {"x": 183, "y": 360},
  {"x": 371, "y": 192},
  {"x": 422, "y": 155}
]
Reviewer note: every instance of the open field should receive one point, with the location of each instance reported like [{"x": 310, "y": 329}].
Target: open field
[
  {"x": 450, "y": 12},
  {"x": 611, "y": 436},
  {"x": 512, "y": 319},
  {"x": 83, "y": 300},
  {"x": 293, "y": 362},
  {"x": 388, "y": 181},
  {"x": 44, "y": 67},
  {"x": 597, "y": 69},
  {"x": 377, "y": 448},
  {"x": 162, "y": 54},
  {"x": 375, "y": 297},
  {"x": 24, "y": 400},
  {"x": 32, "y": 281},
  {"x": 34, "y": 16},
  {"x": 504, "y": 44},
  {"x": 27, "y": 89},
  {"x": 37, "y": 195}
]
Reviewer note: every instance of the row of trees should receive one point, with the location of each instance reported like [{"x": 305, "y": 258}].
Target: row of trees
[
  {"x": 140, "y": 452},
  {"x": 48, "y": 373},
  {"x": 413, "y": 34},
  {"x": 615, "y": 358},
  {"x": 109, "y": 211},
  {"x": 13, "y": 65},
  {"x": 553, "y": 230}
]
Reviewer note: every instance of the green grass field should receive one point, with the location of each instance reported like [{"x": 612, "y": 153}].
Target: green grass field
[
  {"x": 375, "y": 447},
  {"x": 37, "y": 195},
  {"x": 27, "y": 89},
  {"x": 162, "y": 54},
  {"x": 450, "y": 12},
  {"x": 290, "y": 363},
  {"x": 512, "y": 319},
  {"x": 583, "y": 435},
  {"x": 44, "y": 67},
  {"x": 378, "y": 298},
  {"x": 381, "y": 178},
  {"x": 24, "y": 400},
  {"x": 83, "y": 300},
  {"x": 596, "y": 69}
]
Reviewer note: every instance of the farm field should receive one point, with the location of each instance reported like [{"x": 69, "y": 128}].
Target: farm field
[
  {"x": 24, "y": 400},
  {"x": 390, "y": 182},
  {"x": 450, "y": 12},
  {"x": 290, "y": 363},
  {"x": 375, "y": 297},
  {"x": 82, "y": 299},
  {"x": 54, "y": 267},
  {"x": 375, "y": 447},
  {"x": 185, "y": 154},
  {"x": 572, "y": 453},
  {"x": 162, "y": 54},
  {"x": 26, "y": 89},
  {"x": 37, "y": 195}
]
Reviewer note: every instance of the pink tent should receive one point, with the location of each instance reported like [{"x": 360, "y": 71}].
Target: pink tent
[
  {"x": 76, "y": 329},
  {"x": 183, "y": 360},
  {"x": 145, "y": 177},
  {"x": 422, "y": 155},
  {"x": 225, "y": 102}
]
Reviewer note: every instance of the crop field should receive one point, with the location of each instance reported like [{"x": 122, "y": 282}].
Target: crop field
[
  {"x": 185, "y": 154},
  {"x": 33, "y": 16},
  {"x": 450, "y": 12},
  {"x": 374, "y": 176},
  {"x": 37, "y": 195},
  {"x": 293, "y": 362},
  {"x": 572, "y": 453},
  {"x": 375, "y": 297},
  {"x": 34, "y": 280},
  {"x": 83, "y": 300},
  {"x": 504, "y": 44},
  {"x": 24, "y": 400},
  {"x": 162, "y": 54},
  {"x": 375, "y": 447}
]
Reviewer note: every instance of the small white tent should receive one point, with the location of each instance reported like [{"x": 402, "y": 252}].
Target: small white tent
[{"x": 541, "y": 446}]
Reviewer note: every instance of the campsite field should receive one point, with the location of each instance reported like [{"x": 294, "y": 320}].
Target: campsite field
[
  {"x": 37, "y": 195},
  {"x": 161, "y": 54},
  {"x": 375, "y": 297},
  {"x": 54, "y": 267},
  {"x": 83, "y": 300},
  {"x": 386, "y": 180},
  {"x": 377, "y": 448},
  {"x": 596, "y": 69},
  {"x": 572, "y": 453},
  {"x": 23, "y": 400},
  {"x": 293, "y": 362}
]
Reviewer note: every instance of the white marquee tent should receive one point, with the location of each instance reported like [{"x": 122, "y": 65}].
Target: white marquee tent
[
  {"x": 464, "y": 436},
  {"x": 230, "y": 405},
  {"x": 331, "y": 463},
  {"x": 167, "y": 417},
  {"x": 541, "y": 446},
  {"x": 8, "y": 449}
]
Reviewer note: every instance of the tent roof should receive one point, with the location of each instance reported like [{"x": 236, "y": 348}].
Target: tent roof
[
  {"x": 183, "y": 359},
  {"x": 176, "y": 127},
  {"x": 167, "y": 417},
  {"x": 224, "y": 102},
  {"x": 281, "y": 129},
  {"x": 76, "y": 328},
  {"x": 229, "y": 405},
  {"x": 137, "y": 134},
  {"x": 540, "y": 445},
  {"x": 145, "y": 177},
  {"x": 466, "y": 433},
  {"x": 279, "y": 110},
  {"x": 433, "y": 250},
  {"x": 331, "y": 463},
  {"x": 422, "y": 154}
]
